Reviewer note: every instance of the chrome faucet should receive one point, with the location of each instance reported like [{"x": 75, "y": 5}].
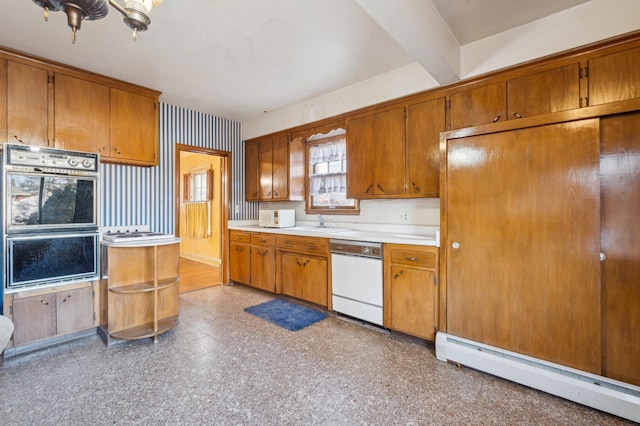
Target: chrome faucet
[{"x": 321, "y": 219}]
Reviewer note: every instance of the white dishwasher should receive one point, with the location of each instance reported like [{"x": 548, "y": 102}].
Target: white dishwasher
[{"x": 356, "y": 279}]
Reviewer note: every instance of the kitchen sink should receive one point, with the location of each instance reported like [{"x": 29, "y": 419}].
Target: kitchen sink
[{"x": 319, "y": 229}]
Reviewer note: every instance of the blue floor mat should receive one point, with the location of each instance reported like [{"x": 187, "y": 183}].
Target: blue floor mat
[{"x": 286, "y": 314}]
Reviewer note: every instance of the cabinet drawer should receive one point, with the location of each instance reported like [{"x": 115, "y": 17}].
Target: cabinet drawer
[
  {"x": 263, "y": 240},
  {"x": 304, "y": 244},
  {"x": 240, "y": 237},
  {"x": 427, "y": 258}
]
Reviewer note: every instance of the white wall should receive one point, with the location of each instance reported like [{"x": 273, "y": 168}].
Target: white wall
[{"x": 584, "y": 24}]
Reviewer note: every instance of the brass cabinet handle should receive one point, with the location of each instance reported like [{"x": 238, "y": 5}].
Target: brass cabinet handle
[
  {"x": 416, "y": 187},
  {"x": 66, "y": 298},
  {"x": 412, "y": 259},
  {"x": 498, "y": 117},
  {"x": 117, "y": 151},
  {"x": 398, "y": 274},
  {"x": 379, "y": 187},
  {"x": 302, "y": 263},
  {"x": 516, "y": 115},
  {"x": 238, "y": 248},
  {"x": 368, "y": 189},
  {"x": 43, "y": 302}
]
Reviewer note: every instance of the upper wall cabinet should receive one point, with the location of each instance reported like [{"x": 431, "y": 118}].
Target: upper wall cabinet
[
  {"x": 274, "y": 169},
  {"x": 541, "y": 92},
  {"x": 425, "y": 121},
  {"x": 81, "y": 114},
  {"x": 48, "y": 104},
  {"x": 27, "y": 104},
  {"x": 134, "y": 128},
  {"x": 479, "y": 105},
  {"x": 376, "y": 153},
  {"x": 614, "y": 77}
]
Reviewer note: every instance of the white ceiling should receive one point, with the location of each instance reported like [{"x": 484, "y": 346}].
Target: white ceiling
[{"x": 238, "y": 58}]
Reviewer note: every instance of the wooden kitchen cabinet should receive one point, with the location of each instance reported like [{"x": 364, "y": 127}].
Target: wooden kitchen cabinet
[
  {"x": 303, "y": 268},
  {"x": 620, "y": 237},
  {"x": 81, "y": 115},
  {"x": 425, "y": 121},
  {"x": 133, "y": 128},
  {"x": 28, "y": 107},
  {"x": 252, "y": 171},
  {"x": 44, "y": 103},
  {"x": 614, "y": 76},
  {"x": 522, "y": 272},
  {"x": 274, "y": 169},
  {"x": 478, "y": 105},
  {"x": 411, "y": 289},
  {"x": 544, "y": 91},
  {"x": 42, "y": 314},
  {"x": 263, "y": 262},
  {"x": 240, "y": 257},
  {"x": 376, "y": 155},
  {"x": 143, "y": 297}
]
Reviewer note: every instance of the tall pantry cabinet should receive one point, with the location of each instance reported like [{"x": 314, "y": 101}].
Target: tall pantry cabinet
[{"x": 541, "y": 239}]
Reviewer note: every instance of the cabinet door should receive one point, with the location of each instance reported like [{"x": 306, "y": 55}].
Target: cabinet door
[
  {"x": 315, "y": 281},
  {"x": 552, "y": 90},
  {"x": 413, "y": 302},
  {"x": 361, "y": 166},
  {"x": 252, "y": 171},
  {"x": 376, "y": 153},
  {"x": 34, "y": 318},
  {"x": 614, "y": 77},
  {"x": 292, "y": 274},
  {"x": 424, "y": 123},
  {"x": 3, "y": 100},
  {"x": 74, "y": 310},
  {"x": 389, "y": 152},
  {"x": 81, "y": 115},
  {"x": 266, "y": 169},
  {"x": 280, "y": 169},
  {"x": 133, "y": 128},
  {"x": 263, "y": 268},
  {"x": 620, "y": 183},
  {"x": 240, "y": 263},
  {"x": 523, "y": 242},
  {"x": 483, "y": 105},
  {"x": 27, "y": 104}
]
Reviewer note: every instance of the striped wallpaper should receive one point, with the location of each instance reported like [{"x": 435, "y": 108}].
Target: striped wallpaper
[{"x": 145, "y": 195}]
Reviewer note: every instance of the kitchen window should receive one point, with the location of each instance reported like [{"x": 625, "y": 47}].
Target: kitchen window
[{"x": 327, "y": 175}]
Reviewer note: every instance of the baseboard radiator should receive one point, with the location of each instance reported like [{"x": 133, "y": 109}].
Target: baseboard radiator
[{"x": 601, "y": 393}]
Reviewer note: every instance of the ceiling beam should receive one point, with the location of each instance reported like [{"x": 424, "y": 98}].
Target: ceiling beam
[{"x": 418, "y": 28}]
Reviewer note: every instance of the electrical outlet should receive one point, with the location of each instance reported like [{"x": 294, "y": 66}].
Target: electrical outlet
[{"x": 404, "y": 217}]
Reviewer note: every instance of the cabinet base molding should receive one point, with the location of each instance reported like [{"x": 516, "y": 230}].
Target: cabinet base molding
[
  {"x": 611, "y": 396},
  {"x": 51, "y": 341}
]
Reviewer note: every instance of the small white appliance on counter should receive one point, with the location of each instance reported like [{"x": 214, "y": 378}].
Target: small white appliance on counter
[{"x": 277, "y": 218}]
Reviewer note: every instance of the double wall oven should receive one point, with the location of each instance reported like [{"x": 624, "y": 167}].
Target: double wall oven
[{"x": 50, "y": 217}]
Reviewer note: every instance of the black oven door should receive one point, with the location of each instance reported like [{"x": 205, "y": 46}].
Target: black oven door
[
  {"x": 38, "y": 260},
  {"x": 37, "y": 202}
]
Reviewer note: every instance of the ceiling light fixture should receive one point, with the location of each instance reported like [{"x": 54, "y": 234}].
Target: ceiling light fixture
[{"x": 135, "y": 12}]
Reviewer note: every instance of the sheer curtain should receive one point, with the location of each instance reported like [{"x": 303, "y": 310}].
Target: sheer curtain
[{"x": 328, "y": 180}]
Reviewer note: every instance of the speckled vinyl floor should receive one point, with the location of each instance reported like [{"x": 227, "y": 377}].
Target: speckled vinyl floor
[{"x": 222, "y": 366}]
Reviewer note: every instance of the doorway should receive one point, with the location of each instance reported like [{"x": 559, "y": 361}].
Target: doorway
[{"x": 201, "y": 207}]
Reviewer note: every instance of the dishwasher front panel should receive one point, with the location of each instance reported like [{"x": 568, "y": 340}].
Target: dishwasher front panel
[{"x": 357, "y": 278}]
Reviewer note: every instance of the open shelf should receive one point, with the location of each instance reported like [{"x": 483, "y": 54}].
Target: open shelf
[
  {"x": 146, "y": 286},
  {"x": 143, "y": 297}
]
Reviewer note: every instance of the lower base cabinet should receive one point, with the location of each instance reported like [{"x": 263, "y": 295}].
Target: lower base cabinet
[
  {"x": 411, "y": 289},
  {"x": 304, "y": 277},
  {"x": 42, "y": 314},
  {"x": 240, "y": 257},
  {"x": 143, "y": 293}
]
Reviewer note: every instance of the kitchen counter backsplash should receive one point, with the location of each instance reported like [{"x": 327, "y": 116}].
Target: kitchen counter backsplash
[{"x": 384, "y": 233}]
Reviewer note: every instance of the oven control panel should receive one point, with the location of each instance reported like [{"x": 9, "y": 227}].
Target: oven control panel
[{"x": 50, "y": 160}]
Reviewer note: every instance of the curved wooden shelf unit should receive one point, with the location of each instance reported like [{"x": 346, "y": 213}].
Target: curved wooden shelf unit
[
  {"x": 146, "y": 286},
  {"x": 146, "y": 330}
]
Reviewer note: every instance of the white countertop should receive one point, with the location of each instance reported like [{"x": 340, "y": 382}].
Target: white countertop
[{"x": 379, "y": 233}]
